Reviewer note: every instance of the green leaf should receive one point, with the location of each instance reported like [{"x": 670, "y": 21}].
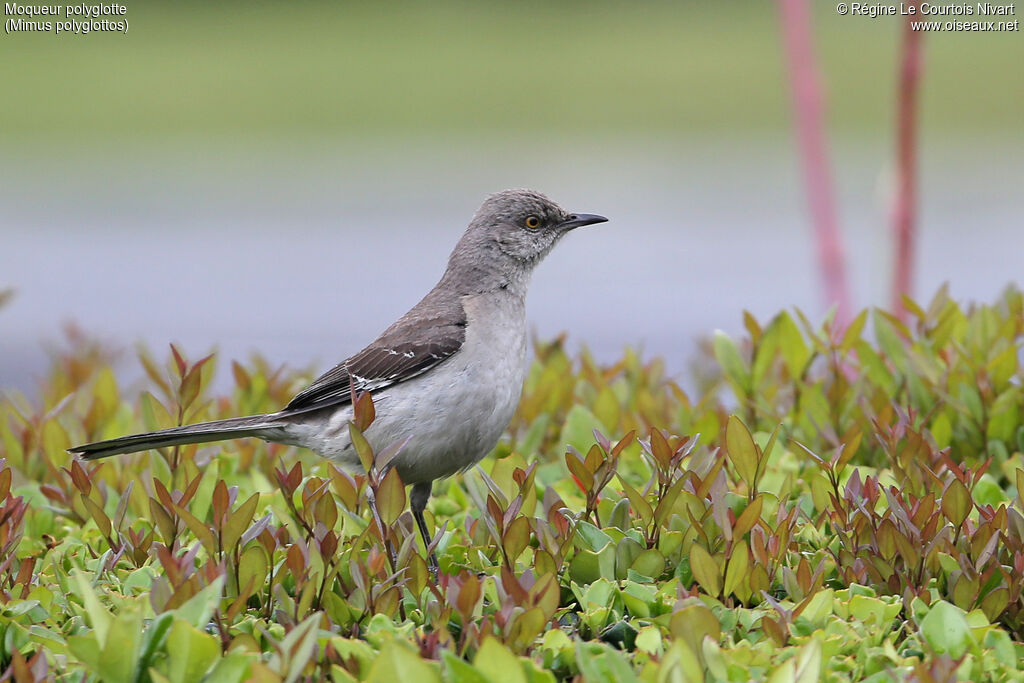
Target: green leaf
[
  {"x": 681, "y": 664},
  {"x": 650, "y": 563},
  {"x": 391, "y": 497},
  {"x": 853, "y": 332},
  {"x": 121, "y": 651},
  {"x": 999, "y": 643},
  {"x": 190, "y": 386},
  {"x": 299, "y": 646},
  {"x": 525, "y": 629},
  {"x": 606, "y": 408},
  {"x": 739, "y": 566},
  {"x": 154, "y": 640},
  {"x": 808, "y": 662},
  {"x": 362, "y": 447},
  {"x": 626, "y": 552},
  {"x": 598, "y": 662},
  {"x": 238, "y": 522},
  {"x": 234, "y": 667},
  {"x": 784, "y": 673},
  {"x": 750, "y": 516},
  {"x": 987, "y": 491},
  {"x": 198, "y": 609},
  {"x": 86, "y": 648},
  {"x": 457, "y": 669},
  {"x": 535, "y": 673},
  {"x": 100, "y": 517},
  {"x": 873, "y": 610},
  {"x": 705, "y": 570},
  {"x": 1003, "y": 367},
  {"x": 891, "y": 333},
  {"x": 585, "y": 567},
  {"x": 578, "y": 429},
  {"x": 956, "y": 502},
  {"x": 579, "y": 470},
  {"x": 516, "y": 537},
  {"x": 741, "y": 450},
  {"x": 735, "y": 369},
  {"x": 594, "y": 537},
  {"x": 794, "y": 350},
  {"x": 252, "y": 566},
  {"x": 640, "y": 506},
  {"x": 945, "y": 629},
  {"x": 99, "y": 617},
  {"x": 619, "y": 517},
  {"x": 496, "y": 662},
  {"x": 663, "y": 510},
  {"x": 193, "y": 653},
  {"x": 398, "y": 661},
  {"x": 199, "y": 528},
  {"x": 649, "y": 640}
]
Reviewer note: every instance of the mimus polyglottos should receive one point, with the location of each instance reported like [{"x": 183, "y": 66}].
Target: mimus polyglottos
[{"x": 445, "y": 378}]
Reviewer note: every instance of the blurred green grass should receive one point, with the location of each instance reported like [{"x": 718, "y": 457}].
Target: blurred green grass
[{"x": 239, "y": 71}]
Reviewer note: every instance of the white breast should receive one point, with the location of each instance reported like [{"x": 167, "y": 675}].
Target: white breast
[{"x": 452, "y": 415}]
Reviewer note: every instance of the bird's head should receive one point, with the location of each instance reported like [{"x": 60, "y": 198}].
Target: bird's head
[
  {"x": 526, "y": 225},
  {"x": 509, "y": 235}
]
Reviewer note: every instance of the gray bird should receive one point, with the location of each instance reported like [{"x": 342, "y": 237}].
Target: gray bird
[{"x": 445, "y": 378}]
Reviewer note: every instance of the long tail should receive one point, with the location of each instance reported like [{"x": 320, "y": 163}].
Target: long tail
[{"x": 219, "y": 430}]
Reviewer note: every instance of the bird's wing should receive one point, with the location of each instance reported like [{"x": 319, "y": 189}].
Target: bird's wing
[{"x": 408, "y": 348}]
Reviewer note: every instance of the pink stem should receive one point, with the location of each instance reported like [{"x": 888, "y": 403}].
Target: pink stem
[
  {"x": 904, "y": 216},
  {"x": 808, "y": 105}
]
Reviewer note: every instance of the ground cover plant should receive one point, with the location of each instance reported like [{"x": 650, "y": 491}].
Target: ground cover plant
[{"x": 827, "y": 503}]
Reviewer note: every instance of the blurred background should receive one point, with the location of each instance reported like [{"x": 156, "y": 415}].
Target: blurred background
[{"x": 289, "y": 178}]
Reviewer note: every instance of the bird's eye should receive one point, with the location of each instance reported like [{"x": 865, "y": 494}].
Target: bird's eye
[{"x": 532, "y": 222}]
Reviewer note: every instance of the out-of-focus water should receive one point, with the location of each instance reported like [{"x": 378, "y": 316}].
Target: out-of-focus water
[{"x": 305, "y": 253}]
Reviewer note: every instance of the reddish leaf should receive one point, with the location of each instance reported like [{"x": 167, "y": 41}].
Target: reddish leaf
[
  {"x": 242, "y": 379},
  {"x": 623, "y": 443},
  {"x": 468, "y": 596},
  {"x": 516, "y": 537},
  {"x": 179, "y": 361},
  {"x": 294, "y": 477},
  {"x": 363, "y": 411},
  {"x": 238, "y": 522},
  {"x": 660, "y": 449},
  {"x": 5, "y": 482},
  {"x": 79, "y": 478},
  {"x": 329, "y": 545},
  {"x": 191, "y": 489},
  {"x": 161, "y": 492},
  {"x": 220, "y": 502}
]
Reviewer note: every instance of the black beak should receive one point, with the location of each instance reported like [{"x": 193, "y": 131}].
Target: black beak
[{"x": 580, "y": 219}]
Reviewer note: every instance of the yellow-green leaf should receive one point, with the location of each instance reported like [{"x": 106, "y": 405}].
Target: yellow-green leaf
[
  {"x": 741, "y": 450},
  {"x": 705, "y": 570}
]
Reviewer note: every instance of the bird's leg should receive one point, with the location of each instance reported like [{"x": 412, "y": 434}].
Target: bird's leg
[{"x": 418, "y": 498}]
